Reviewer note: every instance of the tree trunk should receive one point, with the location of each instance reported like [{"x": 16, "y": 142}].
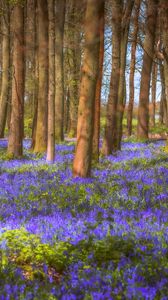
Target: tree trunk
[
  {"x": 110, "y": 138},
  {"x": 59, "y": 78},
  {"x": 5, "y": 68},
  {"x": 36, "y": 80},
  {"x": 122, "y": 84},
  {"x": 15, "y": 148},
  {"x": 163, "y": 108},
  {"x": 83, "y": 154},
  {"x": 153, "y": 103},
  {"x": 143, "y": 109},
  {"x": 132, "y": 67},
  {"x": 73, "y": 57},
  {"x": 164, "y": 30},
  {"x": 96, "y": 131},
  {"x": 30, "y": 36},
  {"x": 41, "y": 130},
  {"x": 51, "y": 93}
]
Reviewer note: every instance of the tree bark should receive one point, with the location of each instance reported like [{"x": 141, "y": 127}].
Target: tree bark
[
  {"x": 51, "y": 93},
  {"x": 143, "y": 109},
  {"x": 41, "y": 129},
  {"x": 5, "y": 67},
  {"x": 83, "y": 154},
  {"x": 132, "y": 66},
  {"x": 73, "y": 58},
  {"x": 15, "y": 148},
  {"x": 153, "y": 102},
  {"x": 163, "y": 108},
  {"x": 96, "y": 131},
  {"x": 59, "y": 77},
  {"x": 30, "y": 35},
  {"x": 110, "y": 138},
  {"x": 122, "y": 84}
]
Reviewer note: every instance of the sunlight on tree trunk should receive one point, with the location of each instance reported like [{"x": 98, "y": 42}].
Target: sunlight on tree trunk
[{"x": 83, "y": 154}]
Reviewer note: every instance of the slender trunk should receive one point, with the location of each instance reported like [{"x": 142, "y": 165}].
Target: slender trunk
[
  {"x": 59, "y": 78},
  {"x": 163, "y": 97},
  {"x": 83, "y": 154},
  {"x": 110, "y": 138},
  {"x": 4, "y": 96},
  {"x": 41, "y": 129},
  {"x": 36, "y": 79},
  {"x": 96, "y": 132},
  {"x": 122, "y": 84},
  {"x": 73, "y": 54},
  {"x": 51, "y": 93},
  {"x": 15, "y": 148},
  {"x": 164, "y": 30},
  {"x": 30, "y": 54},
  {"x": 132, "y": 67},
  {"x": 143, "y": 109},
  {"x": 153, "y": 103}
]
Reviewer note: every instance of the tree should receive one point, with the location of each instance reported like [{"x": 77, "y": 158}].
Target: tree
[
  {"x": 132, "y": 65},
  {"x": 41, "y": 129},
  {"x": 122, "y": 84},
  {"x": 83, "y": 153},
  {"x": 143, "y": 109},
  {"x": 116, "y": 102},
  {"x": 5, "y": 66},
  {"x": 73, "y": 62},
  {"x": 51, "y": 91},
  {"x": 153, "y": 102},
  {"x": 59, "y": 77},
  {"x": 16, "y": 125},
  {"x": 111, "y": 117},
  {"x": 96, "y": 131}
]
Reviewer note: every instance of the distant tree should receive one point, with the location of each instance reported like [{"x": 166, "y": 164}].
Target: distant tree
[
  {"x": 143, "y": 109},
  {"x": 16, "y": 124},
  {"x": 163, "y": 103},
  {"x": 134, "y": 36},
  {"x": 73, "y": 61},
  {"x": 30, "y": 36},
  {"x": 96, "y": 129},
  {"x": 153, "y": 98},
  {"x": 36, "y": 81},
  {"x": 51, "y": 91},
  {"x": 116, "y": 102},
  {"x": 83, "y": 153},
  {"x": 42, "y": 35},
  {"x": 164, "y": 38},
  {"x": 109, "y": 142},
  {"x": 4, "y": 95},
  {"x": 59, "y": 74}
]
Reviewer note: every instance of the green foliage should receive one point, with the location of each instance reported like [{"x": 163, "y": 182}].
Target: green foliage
[{"x": 26, "y": 251}]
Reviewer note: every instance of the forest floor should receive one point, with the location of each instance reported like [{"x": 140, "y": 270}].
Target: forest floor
[{"x": 105, "y": 237}]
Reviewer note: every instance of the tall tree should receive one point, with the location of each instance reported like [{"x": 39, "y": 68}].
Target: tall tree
[
  {"x": 73, "y": 61},
  {"x": 30, "y": 35},
  {"x": 143, "y": 109},
  {"x": 96, "y": 131},
  {"x": 59, "y": 75},
  {"x": 4, "y": 96},
  {"x": 83, "y": 154},
  {"x": 153, "y": 99},
  {"x": 109, "y": 142},
  {"x": 164, "y": 36},
  {"x": 126, "y": 16},
  {"x": 116, "y": 102},
  {"x": 132, "y": 65},
  {"x": 51, "y": 91},
  {"x": 16, "y": 125},
  {"x": 41, "y": 129}
]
